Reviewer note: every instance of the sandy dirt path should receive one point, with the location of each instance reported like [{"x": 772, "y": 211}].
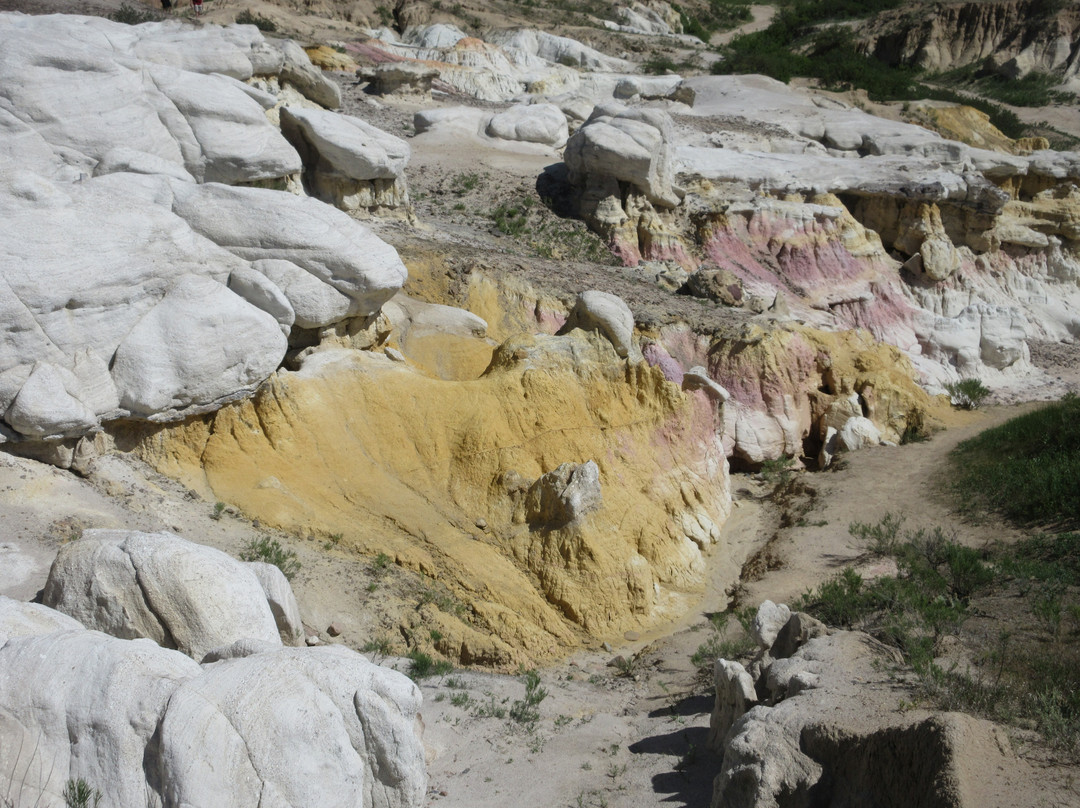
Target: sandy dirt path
[{"x": 761, "y": 16}]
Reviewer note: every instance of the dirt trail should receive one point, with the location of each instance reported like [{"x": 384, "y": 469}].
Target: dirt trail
[{"x": 762, "y": 16}]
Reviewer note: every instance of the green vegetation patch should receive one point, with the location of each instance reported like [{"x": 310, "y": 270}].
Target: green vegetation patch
[
  {"x": 1017, "y": 608},
  {"x": 1027, "y": 469},
  {"x": 798, "y": 44}
]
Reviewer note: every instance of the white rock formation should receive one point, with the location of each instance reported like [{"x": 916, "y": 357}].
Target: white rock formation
[
  {"x": 19, "y": 619},
  {"x": 157, "y": 585},
  {"x": 279, "y": 596},
  {"x": 770, "y": 618},
  {"x": 130, "y": 287},
  {"x": 148, "y": 726},
  {"x": 735, "y": 695},
  {"x": 608, "y": 314}
]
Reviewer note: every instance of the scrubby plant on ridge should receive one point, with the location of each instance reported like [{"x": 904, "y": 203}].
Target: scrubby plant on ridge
[{"x": 270, "y": 551}]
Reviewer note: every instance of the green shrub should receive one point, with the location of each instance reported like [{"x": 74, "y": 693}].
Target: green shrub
[
  {"x": 249, "y": 17},
  {"x": 134, "y": 15},
  {"x": 658, "y": 64},
  {"x": 79, "y": 794},
  {"x": 421, "y": 666},
  {"x": 270, "y": 550},
  {"x": 967, "y": 394},
  {"x": 527, "y": 710}
]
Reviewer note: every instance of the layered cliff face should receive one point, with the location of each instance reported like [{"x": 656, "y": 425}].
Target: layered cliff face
[
  {"x": 1017, "y": 36},
  {"x": 816, "y": 211},
  {"x": 467, "y": 482}
]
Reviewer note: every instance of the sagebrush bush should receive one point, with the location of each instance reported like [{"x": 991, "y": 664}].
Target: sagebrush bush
[
  {"x": 270, "y": 550},
  {"x": 968, "y": 394}
]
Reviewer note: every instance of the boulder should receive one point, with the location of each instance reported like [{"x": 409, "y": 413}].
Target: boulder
[
  {"x": 157, "y": 585},
  {"x": 403, "y": 78},
  {"x": 305, "y": 727},
  {"x": 530, "y": 123},
  {"x": 564, "y": 495},
  {"x": 858, "y": 433},
  {"x": 768, "y": 622},
  {"x": 721, "y": 285},
  {"x": 199, "y": 344},
  {"x": 282, "y": 601},
  {"x": 19, "y": 619},
  {"x": 608, "y": 314},
  {"x": 146, "y": 725},
  {"x": 297, "y": 70},
  {"x": 631, "y": 145},
  {"x": 797, "y": 631},
  {"x": 347, "y": 146}
]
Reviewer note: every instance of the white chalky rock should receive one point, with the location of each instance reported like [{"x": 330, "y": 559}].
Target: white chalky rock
[
  {"x": 630, "y": 145},
  {"x": 314, "y": 303},
  {"x": 294, "y": 727},
  {"x": 735, "y": 695},
  {"x": 858, "y": 433},
  {"x": 697, "y": 378},
  {"x": 264, "y": 294},
  {"x": 608, "y": 314},
  {"x": 256, "y": 224},
  {"x": 160, "y": 586},
  {"x": 197, "y": 339},
  {"x": 349, "y": 146},
  {"x": 298, "y": 70},
  {"x": 82, "y": 705},
  {"x": 282, "y": 601},
  {"x": 303, "y": 728},
  {"x": 770, "y": 618},
  {"x": 530, "y": 123},
  {"x": 19, "y": 619}
]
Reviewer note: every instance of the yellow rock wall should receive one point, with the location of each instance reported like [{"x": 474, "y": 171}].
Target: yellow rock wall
[{"x": 402, "y": 463}]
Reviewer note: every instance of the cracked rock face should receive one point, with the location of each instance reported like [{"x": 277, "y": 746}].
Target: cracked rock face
[{"x": 135, "y": 279}]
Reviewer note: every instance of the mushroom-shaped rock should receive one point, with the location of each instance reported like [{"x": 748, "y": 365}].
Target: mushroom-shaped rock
[
  {"x": 157, "y": 585},
  {"x": 403, "y": 78},
  {"x": 608, "y": 314},
  {"x": 348, "y": 146},
  {"x": 629, "y": 145}
]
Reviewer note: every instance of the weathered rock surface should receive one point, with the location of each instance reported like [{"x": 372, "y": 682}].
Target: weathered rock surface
[
  {"x": 824, "y": 729},
  {"x": 149, "y": 726},
  {"x": 350, "y": 163},
  {"x": 155, "y": 307},
  {"x": 482, "y": 443},
  {"x": 156, "y": 585}
]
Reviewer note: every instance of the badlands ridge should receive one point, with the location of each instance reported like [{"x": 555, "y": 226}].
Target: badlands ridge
[{"x": 210, "y": 268}]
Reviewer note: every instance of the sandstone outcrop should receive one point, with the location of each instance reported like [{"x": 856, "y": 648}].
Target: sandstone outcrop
[
  {"x": 156, "y": 585},
  {"x": 178, "y": 290},
  {"x": 349, "y": 163},
  {"x": 1012, "y": 37},
  {"x": 543, "y": 446},
  {"x": 148, "y": 726},
  {"x": 810, "y": 722},
  {"x": 849, "y": 220}
]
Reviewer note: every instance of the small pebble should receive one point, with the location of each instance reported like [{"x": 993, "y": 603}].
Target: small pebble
[
  {"x": 313, "y": 640},
  {"x": 334, "y": 630}
]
